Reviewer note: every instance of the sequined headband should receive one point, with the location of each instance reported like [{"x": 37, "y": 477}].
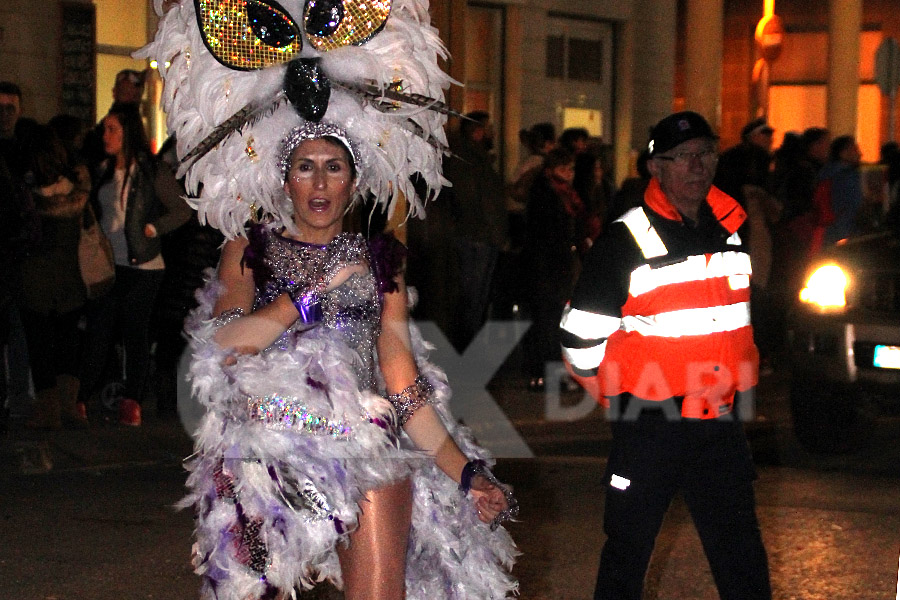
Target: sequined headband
[{"x": 312, "y": 130}]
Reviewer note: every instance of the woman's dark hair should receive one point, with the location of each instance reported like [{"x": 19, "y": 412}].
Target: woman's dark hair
[
  {"x": 839, "y": 144},
  {"x": 585, "y": 180},
  {"x": 556, "y": 158},
  {"x": 539, "y": 134},
  {"x": 134, "y": 137},
  {"x": 135, "y": 144},
  {"x": 45, "y": 155},
  {"x": 811, "y": 136},
  {"x": 569, "y": 137}
]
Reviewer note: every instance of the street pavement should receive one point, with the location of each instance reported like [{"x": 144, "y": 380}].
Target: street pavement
[{"x": 88, "y": 515}]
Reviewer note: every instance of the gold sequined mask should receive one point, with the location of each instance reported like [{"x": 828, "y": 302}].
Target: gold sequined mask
[{"x": 248, "y": 35}]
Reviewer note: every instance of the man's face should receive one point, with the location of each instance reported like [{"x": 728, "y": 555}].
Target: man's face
[
  {"x": 685, "y": 172},
  {"x": 10, "y": 111}
]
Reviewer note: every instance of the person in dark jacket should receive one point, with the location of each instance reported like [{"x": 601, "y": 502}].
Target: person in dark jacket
[
  {"x": 137, "y": 199},
  {"x": 52, "y": 292},
  {"x": 480, "y": 228},
  {"x": 554, "y": 217},
  {"x": 188, "y": 252}
]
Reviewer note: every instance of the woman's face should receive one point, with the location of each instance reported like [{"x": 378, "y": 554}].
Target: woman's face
[
  {"x": 113, "y": 136},
  {"x": 565, "y": 173},
  {"x": 320, "y": 184}
]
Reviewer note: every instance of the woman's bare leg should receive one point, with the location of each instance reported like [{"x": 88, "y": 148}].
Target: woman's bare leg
[{"x": 374, "y": 564}]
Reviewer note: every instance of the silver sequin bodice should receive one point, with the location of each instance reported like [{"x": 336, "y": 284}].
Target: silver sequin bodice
[{"x": 351, "y": 309}]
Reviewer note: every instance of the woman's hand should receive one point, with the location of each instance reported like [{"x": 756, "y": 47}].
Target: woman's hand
[{"x": 489, "y": 499}]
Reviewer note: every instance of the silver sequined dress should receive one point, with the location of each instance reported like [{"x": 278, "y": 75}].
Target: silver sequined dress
[{"x": 295, "y": 435}]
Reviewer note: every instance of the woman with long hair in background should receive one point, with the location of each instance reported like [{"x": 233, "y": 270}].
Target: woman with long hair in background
[{"x": 137, "y": 200}]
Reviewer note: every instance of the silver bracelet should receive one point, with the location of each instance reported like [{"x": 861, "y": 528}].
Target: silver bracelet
[
  {"x": 227, "y": 316},
  {"x": 411, "y": 399}
]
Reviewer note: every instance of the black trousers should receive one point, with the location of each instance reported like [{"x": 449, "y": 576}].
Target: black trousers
[
  {"x": 123, "y": 314},
  {"x": 54, "y": 345},
  {"x": 651, "y": 459}
]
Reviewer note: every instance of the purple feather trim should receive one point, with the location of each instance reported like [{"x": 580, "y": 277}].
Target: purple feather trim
[
  {"x": 388, "y": 258},
  {"x": 254, "y": 254}
]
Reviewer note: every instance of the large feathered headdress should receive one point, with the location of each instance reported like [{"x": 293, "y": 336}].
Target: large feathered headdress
[{"x": 240, "y": 74}]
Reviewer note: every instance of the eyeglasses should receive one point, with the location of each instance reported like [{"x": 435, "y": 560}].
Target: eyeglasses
[{"x": 685, "y": 159}]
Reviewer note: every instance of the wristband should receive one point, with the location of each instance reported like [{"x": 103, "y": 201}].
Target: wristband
[
  {"x": 479, "y": 467},
  {"x": 307, "y": 305},
  {"x": 468, "y": 472}
]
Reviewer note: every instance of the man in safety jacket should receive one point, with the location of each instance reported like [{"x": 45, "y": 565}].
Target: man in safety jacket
[{"x": 658, "y": 330}]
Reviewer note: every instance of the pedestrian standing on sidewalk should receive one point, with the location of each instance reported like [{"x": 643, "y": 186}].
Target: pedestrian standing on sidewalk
[
  {"x": 658, "y": 329},
  {"x": 137, "y": 199}
]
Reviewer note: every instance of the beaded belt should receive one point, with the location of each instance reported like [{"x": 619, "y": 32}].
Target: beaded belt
[{"x": 288, "y": 412}]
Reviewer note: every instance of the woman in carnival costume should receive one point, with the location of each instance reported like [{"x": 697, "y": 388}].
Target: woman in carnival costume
[{"x": 327, "y": 451}]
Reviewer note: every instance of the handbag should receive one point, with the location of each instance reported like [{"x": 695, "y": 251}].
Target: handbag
[{"x": 95, "y": 257}]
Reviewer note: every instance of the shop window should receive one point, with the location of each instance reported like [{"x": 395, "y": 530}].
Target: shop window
[
  {"x": 556, "y": 61},
  {"x": 574, "y": 59},
  {"x": 797, "y": 91}
]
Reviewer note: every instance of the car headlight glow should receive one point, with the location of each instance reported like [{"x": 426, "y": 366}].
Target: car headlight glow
[{"x": 826, "y": 288}]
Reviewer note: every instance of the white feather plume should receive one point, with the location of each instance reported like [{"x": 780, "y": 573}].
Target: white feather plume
[{"x": 241, "y": 172}]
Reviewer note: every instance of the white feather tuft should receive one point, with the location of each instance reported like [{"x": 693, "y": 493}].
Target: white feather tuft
[{"x": 200, "y": 94}]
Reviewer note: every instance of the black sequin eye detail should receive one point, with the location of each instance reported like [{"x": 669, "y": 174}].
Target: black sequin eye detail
[
  {"x": 323, "y": 17},
  {"x": 248, "y": 34},
  {"x": 270, "y": 25},
  {"x": 333, "y": 24}
]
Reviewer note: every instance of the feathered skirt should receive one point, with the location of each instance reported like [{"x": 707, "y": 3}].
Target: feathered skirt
[{"x": 286, "y": 450}]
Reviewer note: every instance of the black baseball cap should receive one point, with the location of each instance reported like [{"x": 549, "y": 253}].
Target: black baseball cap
[{"x": 676, "y": 129}]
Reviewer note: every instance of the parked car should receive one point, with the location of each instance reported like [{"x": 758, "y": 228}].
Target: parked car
[{"x": 844, "y": 342}]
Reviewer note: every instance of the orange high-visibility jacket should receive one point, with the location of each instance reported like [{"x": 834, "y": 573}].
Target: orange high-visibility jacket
[{"x": 662, "y": 309}]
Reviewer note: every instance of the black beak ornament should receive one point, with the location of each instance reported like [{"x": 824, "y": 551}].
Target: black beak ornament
[{"x": 307, "y": 88}]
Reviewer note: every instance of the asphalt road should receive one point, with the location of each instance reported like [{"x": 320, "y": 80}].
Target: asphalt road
[{"x": 99, "y": 524}]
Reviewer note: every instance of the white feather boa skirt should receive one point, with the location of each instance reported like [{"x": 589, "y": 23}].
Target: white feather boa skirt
[{"x": 451, "y": 553}]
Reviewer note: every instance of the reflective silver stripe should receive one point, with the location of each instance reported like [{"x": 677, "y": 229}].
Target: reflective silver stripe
[
  {"x": 585, "y": 359},
  {"x": 694, "y": 268},
  {"x": 588, "y": 325},
  {"x": 644, "y": 233},
  {"x": 691, "y": 321}
]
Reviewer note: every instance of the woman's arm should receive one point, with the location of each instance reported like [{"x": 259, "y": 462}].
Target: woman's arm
[
  {"x": 254, "y": 330},
  {"x": 67, "y": 196},
  {"x": 424, "y": 426},
  {"x": 170, "y": 194}
]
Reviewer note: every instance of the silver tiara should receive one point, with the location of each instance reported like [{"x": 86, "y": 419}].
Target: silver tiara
[{"x": 313, "y": 130}]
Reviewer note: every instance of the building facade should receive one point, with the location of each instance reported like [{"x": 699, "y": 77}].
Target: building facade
[{"x": 613, "y": 66}]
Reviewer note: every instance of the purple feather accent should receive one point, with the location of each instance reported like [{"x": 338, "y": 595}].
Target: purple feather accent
[
  {"x": 318, "y": 385},
  {"x": 338, "y": 525},
  {"x": 254, "y": 253},
  {"x": 388, "y": 258}
]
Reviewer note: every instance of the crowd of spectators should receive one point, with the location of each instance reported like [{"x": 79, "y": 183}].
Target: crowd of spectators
[{"x": 74, "y": 357}]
